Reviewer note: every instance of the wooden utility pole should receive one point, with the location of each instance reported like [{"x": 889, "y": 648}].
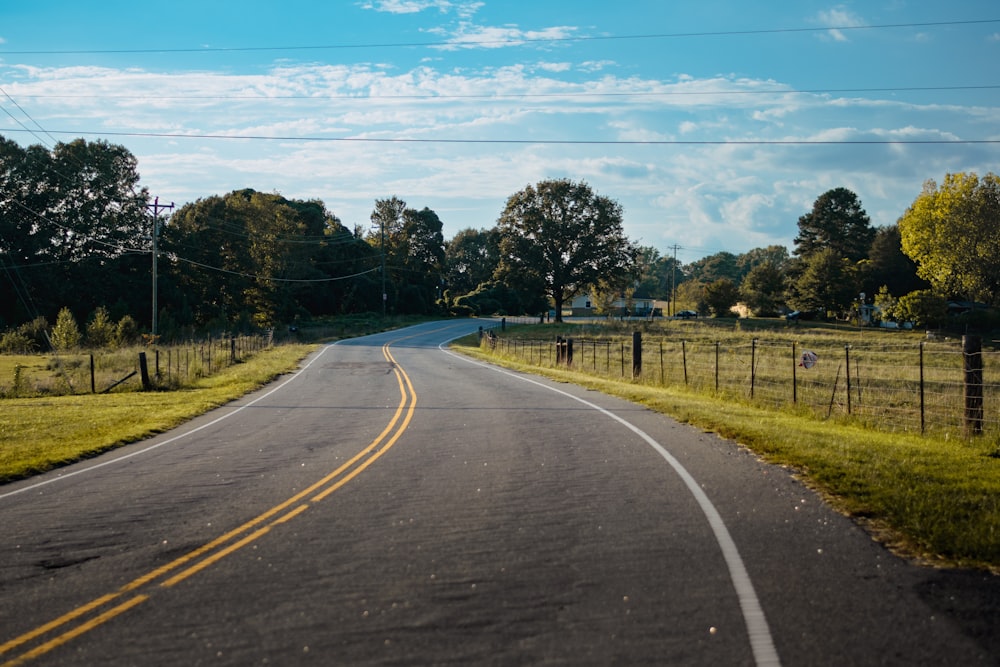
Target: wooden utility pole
[
  {"x": 156, "y": 207},
  {"x": 673, "y": 281}
]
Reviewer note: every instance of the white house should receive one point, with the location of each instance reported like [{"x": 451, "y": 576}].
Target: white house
[{"x": 584, "y": 306}]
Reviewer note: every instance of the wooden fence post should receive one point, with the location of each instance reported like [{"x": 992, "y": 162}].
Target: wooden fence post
[
  {"x": 636, "y": 354},
  {"x": 972, "y": 353},
  {"x": 144, "y": 372}
]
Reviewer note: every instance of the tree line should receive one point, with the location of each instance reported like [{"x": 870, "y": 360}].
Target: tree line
[{"x": 77, "y": 232}]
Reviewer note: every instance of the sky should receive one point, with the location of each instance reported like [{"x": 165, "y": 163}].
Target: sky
[{"x": 715, "y": 124}]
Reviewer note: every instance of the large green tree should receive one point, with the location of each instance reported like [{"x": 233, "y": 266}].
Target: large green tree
[
  {"x": 412, "y": 244},
  {"x": 825, "y": 284},
  {"x": 888, "y": 265},
  {"x": 72, "y": 224},
  {"x": 837, "y": 222},
  {"x": 255, "y": 257},
  {"x": 558, "y": 238},
  {"x": 952, "y": 232},
  {"x": 763, "y": 288},
  {"x": 471, "y": 257}
]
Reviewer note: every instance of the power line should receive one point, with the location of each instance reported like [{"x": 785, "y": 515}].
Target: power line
[
  {"x": 515, "y": 41},
  {"x": 503, "y": 96},
  {"x": 547, "y": 142}
]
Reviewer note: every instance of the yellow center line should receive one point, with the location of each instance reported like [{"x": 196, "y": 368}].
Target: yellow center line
[
  {"x": 339, "y": 477},
  {"x": 76, "y": 632}
]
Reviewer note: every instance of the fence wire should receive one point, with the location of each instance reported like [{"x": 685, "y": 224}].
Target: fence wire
[{"x": 918, "y": 388}]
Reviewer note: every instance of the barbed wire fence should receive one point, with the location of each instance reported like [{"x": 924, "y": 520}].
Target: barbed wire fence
[{"x": 924, "y": 387}]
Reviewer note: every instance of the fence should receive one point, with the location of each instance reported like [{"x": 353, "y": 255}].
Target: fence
[
  {"x": 130, "y": 369},
  {"x": 929, "y": 387}
]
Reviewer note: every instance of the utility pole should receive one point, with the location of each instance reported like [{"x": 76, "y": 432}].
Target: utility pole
[
  {"x": 156, "y": 208},
  {"x": 673, "y": 280},
  {"x": 382, "y": 243}
]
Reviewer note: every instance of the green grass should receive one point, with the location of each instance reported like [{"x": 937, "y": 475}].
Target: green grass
[
  {"x": 933, "y": 499},
  {"x": 59, "y": 425},
  {"x": 39, "y": 434}
]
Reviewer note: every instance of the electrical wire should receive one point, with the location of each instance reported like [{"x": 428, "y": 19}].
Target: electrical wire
[
  {"x": 465, "y": 43},
  {"x": 539, "y": 142},
  {"x": 517, "y": 96}
]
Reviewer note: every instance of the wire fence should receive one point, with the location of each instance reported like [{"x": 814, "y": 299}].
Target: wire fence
[
  {"x": 130, "y": 369},
  {"x": 910, "y": 387}
]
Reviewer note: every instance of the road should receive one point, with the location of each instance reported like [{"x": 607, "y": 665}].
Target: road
[{"x": 393, "y": 503}]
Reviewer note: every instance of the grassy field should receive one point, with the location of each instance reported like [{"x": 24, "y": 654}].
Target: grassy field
[
  {"x": 61, "y": 421},
  {"x": 936, "y": 499},
  {"x": 39, "y": 434}
]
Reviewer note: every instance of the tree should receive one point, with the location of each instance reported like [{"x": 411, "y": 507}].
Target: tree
[
  {"x": 71, "y": 220},
  {"x": 254, "y": 257},
  {"x": 721, "y": 296},
  {"x": 923, "y": 308},
  {"x": 889, "y": 266},
  {"x": 66, "y": 333},
  {"x": 952, "y": 232},
  {"x": 837, "y": 222},
  {"x": 100, "y": 329},
  {"x": 558, "y": 238},
  {"x": 712, "y": 268},
  {"x": 825, "y": 284},
  {"x": 414, "y": 253},
  {"x": 776, "y": 255},
  {"x": 762, "y": 290},
  {"x": 471, "y": 257}
]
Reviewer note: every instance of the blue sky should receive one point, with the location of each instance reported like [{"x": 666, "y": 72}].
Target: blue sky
[{"x": 716, "y": 123}]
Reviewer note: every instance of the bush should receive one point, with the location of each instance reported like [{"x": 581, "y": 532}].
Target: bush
[
  {"x": 126, "y": 332},
  {"x": 16, "y": 342},
  {"x": 66, "y": 333},
  {"x": 100, "y": 329}
]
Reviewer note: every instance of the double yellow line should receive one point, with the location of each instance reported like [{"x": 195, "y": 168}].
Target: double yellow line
[{"x": 84, "y": 618}]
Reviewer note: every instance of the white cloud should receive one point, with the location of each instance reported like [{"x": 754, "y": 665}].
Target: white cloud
[
  {"x": 408, "y": 6},
  {"x": 839, "y": 17},
  {"x": 705, "y": 197}
]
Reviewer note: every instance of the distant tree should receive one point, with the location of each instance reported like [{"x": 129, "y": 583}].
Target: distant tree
[
  {"x": 414, "y": 253},
  {"x": 470, "y": 258},
  {"x": 66, "y": 332},
  {"x": 558, "y": 238},
  {"x": 691, "y": 295},
  {"x": 100, "y": 329},
  {"x": 126, "y": 331},
  {"x": 886, "y": 303},
  {"x": 763, "y": 288},
  {"x": 837, "y": 222},
  {"x": 721, "y": 296},
  {"x": 250, "y": 257},
  {"x": 775, "y": 255},
  {"x": 826, "y": 284},
  {"x": 888, "y": 265},
  {"x": 923, "y": 308},
  {"x": 952, "y": 232},
  {"x": 712, "y": 268}
]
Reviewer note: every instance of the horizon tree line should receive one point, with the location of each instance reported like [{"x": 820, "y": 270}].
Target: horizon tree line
[{"x": 75, "y": 233}]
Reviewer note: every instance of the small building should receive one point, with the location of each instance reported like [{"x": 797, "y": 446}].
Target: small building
[{"x": 584, "y": 306}]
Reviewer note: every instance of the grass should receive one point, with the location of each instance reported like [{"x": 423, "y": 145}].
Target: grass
[
  {"x": 933, "y": 499},
  {"x": 39, "y": 434},
  {"x": 48, "y": 430}
]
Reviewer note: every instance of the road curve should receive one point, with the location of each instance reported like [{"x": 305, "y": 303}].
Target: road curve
[{"x": 395, "y": 503}]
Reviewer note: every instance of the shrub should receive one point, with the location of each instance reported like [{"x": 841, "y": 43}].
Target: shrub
[
  {"x": 66, "y": 333},
  {"x": 100, "y": 329}
]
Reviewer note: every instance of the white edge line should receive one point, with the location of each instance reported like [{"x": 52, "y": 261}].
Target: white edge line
[
  {"x": 57, "y": 476},
  {"x": 761, "y": 643}
]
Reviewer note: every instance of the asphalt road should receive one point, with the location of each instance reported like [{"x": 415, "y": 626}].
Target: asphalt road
[{"x": 393, "y": 503}]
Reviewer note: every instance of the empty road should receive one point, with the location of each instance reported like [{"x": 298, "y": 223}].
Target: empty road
[{"x": 393, "y": 503}]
